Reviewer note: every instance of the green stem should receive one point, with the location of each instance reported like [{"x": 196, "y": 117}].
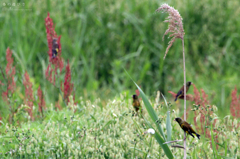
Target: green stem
[{"x": 184, "y": 73}]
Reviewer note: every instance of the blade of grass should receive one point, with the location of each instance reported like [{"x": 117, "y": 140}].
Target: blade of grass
[
  {"x": 164, "y": 147},
  {"x": 168, "y": 127},
  {"x": 151, "y": 111},
  {"x": 213, "y": 144},
  {"x": 168, "y": 122},
  {"x": 225, "y": 148}
]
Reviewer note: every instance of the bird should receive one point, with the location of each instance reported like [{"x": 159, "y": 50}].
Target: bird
[
  {"x": 181, "y": 91},
  {"x": 136, "y": 103},
  {"x": 55, "y": 47},
  {"x": 186, "y": 127}
]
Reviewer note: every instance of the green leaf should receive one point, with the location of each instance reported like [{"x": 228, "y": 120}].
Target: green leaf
[
  {"x": 151, "y": 111},
  {"x": 168, "y": 127},
  {"x": 164, "y": 146},
  {"x": 226, "y": 148},
  {"x": 168, "y": 122},
  {"x": 213, "y": 144}
]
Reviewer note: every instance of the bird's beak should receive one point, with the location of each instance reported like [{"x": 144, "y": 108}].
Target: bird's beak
[{"x": 174, "y": 120}]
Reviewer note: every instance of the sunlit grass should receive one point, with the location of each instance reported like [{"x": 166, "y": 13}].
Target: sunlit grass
[
  {"x": 108, "y": 132},
  {"x": 99, "y": 37}
]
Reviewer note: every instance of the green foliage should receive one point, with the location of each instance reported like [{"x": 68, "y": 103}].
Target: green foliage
[
  {"x": 155, "y": 119},
  {"x": 99, "y": 37},
  {"x": 213, "y": 144},
  {"x": 107, "y": 132}
]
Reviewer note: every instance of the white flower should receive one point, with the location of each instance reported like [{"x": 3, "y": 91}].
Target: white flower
[
  {"x": 151, "y": 131},
  {"x": 114, "y": 115}
]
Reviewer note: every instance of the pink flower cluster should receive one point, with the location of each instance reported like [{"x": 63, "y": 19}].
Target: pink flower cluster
[
  {"x": 55, "y": 62},
  {"x": 235, "y": 104},
  {"x": 10, "y": 73},
  {"x": 28, "y": 100}
]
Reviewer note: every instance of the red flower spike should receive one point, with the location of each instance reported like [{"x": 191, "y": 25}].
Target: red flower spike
[
  {"x": 235, "y": 104},
  {"x": 56, "y": 62},
  {"x": 10, "y": 72},
  {"x": 41, "y": 103},
  {"x": 68, "y": 86},
  {"x": 5, "y": 96},
  {"x": 28, "y": 94},
  {"x": 204, "y": 110},
  {"x": 137, "y": 92},
  {"x": 9, "y": 61}
]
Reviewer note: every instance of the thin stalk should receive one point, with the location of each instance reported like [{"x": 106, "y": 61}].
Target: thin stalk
[{"x": 184, "y": 73}]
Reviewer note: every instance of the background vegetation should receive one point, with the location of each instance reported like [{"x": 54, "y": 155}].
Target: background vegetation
[{"x": 100, "y": 38}]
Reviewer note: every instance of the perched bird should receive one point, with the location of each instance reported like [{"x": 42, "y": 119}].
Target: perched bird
[
  {"x": 136, "y": 103},
  {"x": 55, "y": 47},
  {"x": 181, "y": 91},
  {"x": 186, "y": 127}
]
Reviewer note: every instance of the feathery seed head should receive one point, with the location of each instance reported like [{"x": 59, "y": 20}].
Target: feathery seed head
[{"x": 175, "y": 25}]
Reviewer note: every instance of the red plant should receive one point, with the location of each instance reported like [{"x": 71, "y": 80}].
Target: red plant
[
  {"x": 55, "y": 62},
  {"x": 138, "y": 93},
  {"x": 41, "y": 103},
  {"x": 205, "y": 110},
  {"x": 10, "y": 72},
  {"x": 68, "y": 86},
  {"x": 28, "y": 100},
  {"x": 235, "y": 104}
]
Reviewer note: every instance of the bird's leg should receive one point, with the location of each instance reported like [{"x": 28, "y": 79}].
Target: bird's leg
[{"x": 185, "y": 137}]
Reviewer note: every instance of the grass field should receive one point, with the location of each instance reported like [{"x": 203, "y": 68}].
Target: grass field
[{"x": 99, "y": 39}]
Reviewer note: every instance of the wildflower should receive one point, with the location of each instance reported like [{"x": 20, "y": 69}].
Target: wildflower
[
  {"x": 56, "y": 62},
  {"x": 68, "y": 86},
  {"x": 114, "y": 115},
  {"x": 150, "y": 131},
  {"x": 28, "y": 94},
  {"x": 235, "y": 104},
  {"x": 10, "y": 72},
  {"x": 41, "y": 103}
]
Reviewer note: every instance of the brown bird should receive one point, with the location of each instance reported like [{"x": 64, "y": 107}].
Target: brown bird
[
  {"x": 186, "y": 127},
  {"x": 136, "y": 103},
  {"x": 181, "y": 91}
]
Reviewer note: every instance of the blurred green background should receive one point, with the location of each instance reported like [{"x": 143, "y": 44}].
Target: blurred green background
[{"x": 101, "y": 37}]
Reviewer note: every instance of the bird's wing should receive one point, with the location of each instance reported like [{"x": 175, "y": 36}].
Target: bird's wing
[
  {"x": 191, "y": 129},
  {"x": 185, "y": 126},
  {"x": 136, "y": 103},
  {"x": 179, "y": 93},
  {"x": 188, "y": 127}
]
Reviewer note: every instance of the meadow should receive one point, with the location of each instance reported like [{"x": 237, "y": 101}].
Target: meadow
[{"x": 79, "y": 105}]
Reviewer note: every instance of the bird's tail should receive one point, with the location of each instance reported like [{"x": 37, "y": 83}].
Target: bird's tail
[
  {"x": 175, "y": 99},
  {"x": 198, "y": 136}
]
